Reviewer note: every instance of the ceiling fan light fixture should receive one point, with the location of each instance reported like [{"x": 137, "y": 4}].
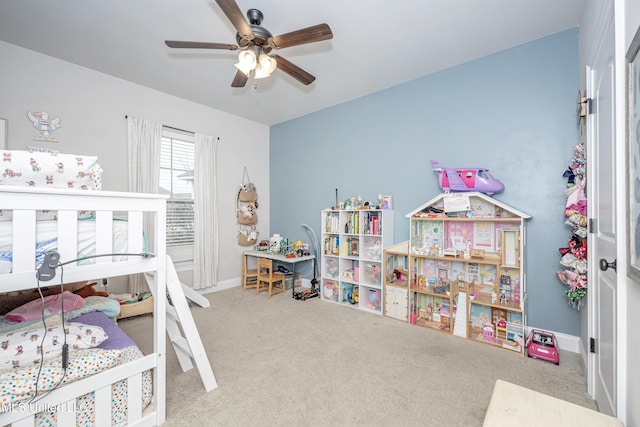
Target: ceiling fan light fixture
[
  {"x": 247, "y": 61},
  {"x": 267, "y": 63},
  {"x": 259, "y": 72}
]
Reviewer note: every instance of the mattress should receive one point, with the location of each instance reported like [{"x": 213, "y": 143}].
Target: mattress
[
  {"x": 47, "y": 240},
  {"x": 17, "y": 386}
]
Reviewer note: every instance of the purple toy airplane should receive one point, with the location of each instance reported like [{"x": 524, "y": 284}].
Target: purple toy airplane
[{"x": 468, "y": 179}]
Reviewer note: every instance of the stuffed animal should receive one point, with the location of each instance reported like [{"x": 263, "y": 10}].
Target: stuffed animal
[
  {"x": 247, "y": 211},
  {"x": 251, "y": 233},
  {"x": 89, "y": 291}
]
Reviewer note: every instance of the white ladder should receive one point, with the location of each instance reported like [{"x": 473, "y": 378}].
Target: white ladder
[{"x": 189, "y": 346}]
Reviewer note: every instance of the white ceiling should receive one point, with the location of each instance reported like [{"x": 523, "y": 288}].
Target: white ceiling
[{"x": 375, "y": 45}]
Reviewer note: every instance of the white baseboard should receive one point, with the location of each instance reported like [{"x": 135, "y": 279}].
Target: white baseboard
[
  {"x": 221, "y": 286},
  {"x": 565, "y": 342}
]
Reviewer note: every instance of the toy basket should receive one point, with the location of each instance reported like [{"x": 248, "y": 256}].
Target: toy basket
[
  {"x": 248, "y": 192},
  {"x": 244, "y": 220}
]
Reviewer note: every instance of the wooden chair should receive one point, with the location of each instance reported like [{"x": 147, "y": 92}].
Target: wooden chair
[
  {"x": 270, "y": 280},
  {"x": 249, "y": 276}
]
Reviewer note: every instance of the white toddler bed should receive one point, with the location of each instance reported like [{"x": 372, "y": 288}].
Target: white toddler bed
[{"x": 24, "y": 204}]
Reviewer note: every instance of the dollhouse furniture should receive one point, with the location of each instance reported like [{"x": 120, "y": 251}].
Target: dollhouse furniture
[
  {"x": 512, "y": 405},
  {"x": 466, "y": 261},
  {"x": 351, "y": 255},
  {"x": 269, "y": 280},
  {"x": 396, "y": 280}
]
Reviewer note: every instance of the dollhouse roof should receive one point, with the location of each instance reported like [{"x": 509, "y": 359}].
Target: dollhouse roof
[{"x": 471, "y": 194}]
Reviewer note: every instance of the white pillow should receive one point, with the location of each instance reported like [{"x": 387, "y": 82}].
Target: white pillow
[
  {"x": 54, "y": 170},
  {"x": 23, "y": 348}
]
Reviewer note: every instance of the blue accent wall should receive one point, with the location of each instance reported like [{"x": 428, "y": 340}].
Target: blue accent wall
[{"x": 513, "y": 112}]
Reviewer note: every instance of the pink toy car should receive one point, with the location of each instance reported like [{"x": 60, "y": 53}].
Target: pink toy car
[{"x": 542, "y": 345}]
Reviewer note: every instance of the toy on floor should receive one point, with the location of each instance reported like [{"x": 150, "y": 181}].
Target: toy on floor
[
  {"x": 467, "y": 179},
  {"x": 543, "y": 345}
]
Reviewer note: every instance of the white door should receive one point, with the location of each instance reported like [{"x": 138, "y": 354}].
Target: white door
[{"x": 602, "y": 210}]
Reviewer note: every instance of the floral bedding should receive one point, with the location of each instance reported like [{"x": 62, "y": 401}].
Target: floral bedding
[
  {"x": 110, "y": 307},
  {"x": 17, "y": 386}
]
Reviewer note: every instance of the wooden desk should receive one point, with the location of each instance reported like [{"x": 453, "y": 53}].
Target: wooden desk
[{"x": 284, "y": 260}]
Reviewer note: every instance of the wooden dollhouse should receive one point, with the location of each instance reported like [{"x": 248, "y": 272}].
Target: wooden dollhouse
[{"x": 465, "y": 269}]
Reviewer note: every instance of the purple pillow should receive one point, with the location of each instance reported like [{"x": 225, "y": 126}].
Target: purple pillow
[{"x": 117, "y": 338}]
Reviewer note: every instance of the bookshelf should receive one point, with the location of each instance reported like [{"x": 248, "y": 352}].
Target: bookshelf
[{"x": 351, "y": 256}]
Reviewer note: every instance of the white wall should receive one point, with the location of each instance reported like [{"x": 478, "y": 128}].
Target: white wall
[{"x": 92, "y": 108}]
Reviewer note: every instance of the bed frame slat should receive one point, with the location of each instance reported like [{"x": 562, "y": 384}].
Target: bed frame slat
[
  {"x": 66, "y": 416},
  {"x": 136, "y": 234},
  {"x": 24, "y": 240},
  {"x": 104, "y": 235},
  {"x": 102, "y": 408},
  {"x": 26, "y": 422},
  {"x": 67, "y": 235},
  {"x": 134, "y": 404}
]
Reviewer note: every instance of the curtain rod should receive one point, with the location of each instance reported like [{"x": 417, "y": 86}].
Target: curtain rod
[{"x": 170, "y": 127}]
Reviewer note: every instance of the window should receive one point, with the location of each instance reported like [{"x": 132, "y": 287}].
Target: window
[{"x": 176, "y": 180}]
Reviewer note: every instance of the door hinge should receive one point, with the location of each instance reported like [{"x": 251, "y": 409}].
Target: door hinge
[
  {"x": 593, "y": 223},
  {"x": 584, "y": 106},
  {"x": 592, "y": 345}
]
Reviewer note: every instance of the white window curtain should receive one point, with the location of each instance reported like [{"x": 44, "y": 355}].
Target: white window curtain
[
  {"x": 144, "y": 138},
  {"x": 206, "y": 253}
]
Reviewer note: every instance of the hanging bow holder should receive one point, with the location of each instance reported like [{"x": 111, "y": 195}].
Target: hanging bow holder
[{"x": 246, "y": 212}]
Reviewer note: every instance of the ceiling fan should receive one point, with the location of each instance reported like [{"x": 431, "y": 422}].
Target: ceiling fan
[{"x": 256, "y": 44}]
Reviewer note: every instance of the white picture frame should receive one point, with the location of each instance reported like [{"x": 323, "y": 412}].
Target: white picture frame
[{"x": 4, "y": 133}]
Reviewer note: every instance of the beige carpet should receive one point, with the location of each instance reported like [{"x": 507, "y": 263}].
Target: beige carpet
[{"x": 283, "y": 362}]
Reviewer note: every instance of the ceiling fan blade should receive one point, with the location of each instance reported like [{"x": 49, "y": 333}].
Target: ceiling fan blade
[
  {"x": 294, "y": 71},
  {"x": 240, "y": 79},
  {"x": 312, "y": 34},
  {"x": 200, "y": 45},
  {"x": 235, "y": 15}
]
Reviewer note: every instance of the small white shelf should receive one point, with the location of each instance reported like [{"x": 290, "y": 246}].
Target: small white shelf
[{"x": 352, "y": 257}]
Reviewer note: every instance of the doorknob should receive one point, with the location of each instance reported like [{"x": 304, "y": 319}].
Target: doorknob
[{"x": 604, "y": 265}]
